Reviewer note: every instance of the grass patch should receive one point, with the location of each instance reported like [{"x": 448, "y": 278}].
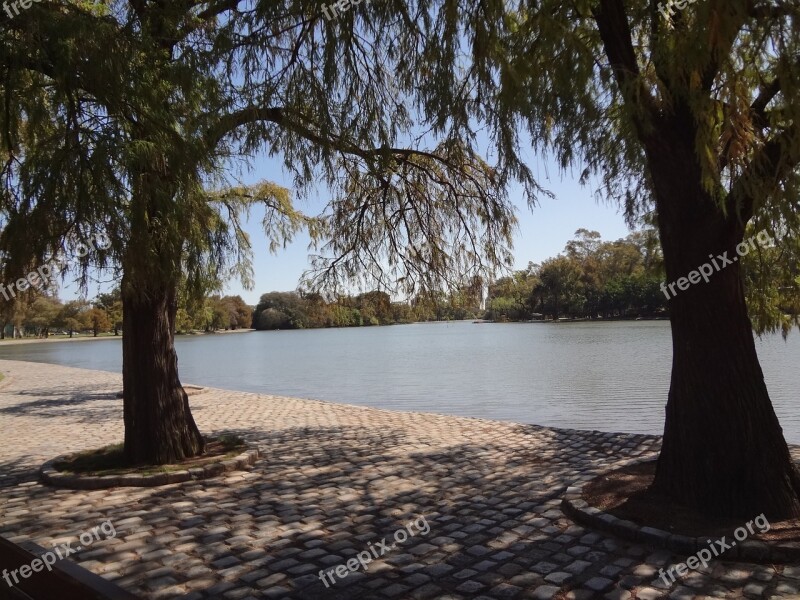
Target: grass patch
[
  {"x": 102, "y": 459},
  {"x": 110, "y": 460},
  {"x": 229, "y": 441}
]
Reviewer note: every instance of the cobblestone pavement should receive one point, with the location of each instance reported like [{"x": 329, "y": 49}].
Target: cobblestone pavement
[{"x": 333, "y": 481}]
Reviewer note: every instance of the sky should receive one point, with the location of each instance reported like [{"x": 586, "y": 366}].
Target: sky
[{"x": 542, "y": 233}]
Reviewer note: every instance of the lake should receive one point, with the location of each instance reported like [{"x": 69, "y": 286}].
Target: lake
[{"x": 610, "y": 376}]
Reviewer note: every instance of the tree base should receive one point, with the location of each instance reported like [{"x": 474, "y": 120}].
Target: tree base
[
  {"x": 628, "y": 493},
  {"x": 159, "y": 427},
  {"x": 108, "y": 468}
]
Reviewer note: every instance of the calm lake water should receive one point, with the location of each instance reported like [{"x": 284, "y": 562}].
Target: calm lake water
[{"x": 605, "y": 376}]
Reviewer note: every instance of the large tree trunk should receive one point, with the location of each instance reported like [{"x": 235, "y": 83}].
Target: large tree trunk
[
  {"x": 159, "y": 427},
  {"x": 723, "y": 451}
]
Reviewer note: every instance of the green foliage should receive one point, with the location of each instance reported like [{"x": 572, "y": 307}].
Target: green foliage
[
  {"x": 375, "y": 308},
  {"x": 111, "y": 303},
  {"x": 71, "y": 317},
  {"x": 772, "y": 284},
  {"x": 97, "y": 320},
  {"x": 307, "y": 310},
  {"x": 292, "y": 310},
  {"x": 280, "y": 310},
  {"x": 590, "y": 279},
  {"x": 42, "y": 315},
  {"x": 560, "y": 289},
  {"x": 511, "y": 298},
  {"x": 213, "y": 313},
  {"x": 345, "y": 316}
]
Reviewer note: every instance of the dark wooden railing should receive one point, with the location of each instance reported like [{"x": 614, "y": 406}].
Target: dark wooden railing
[{"x": 66, "y": 580}]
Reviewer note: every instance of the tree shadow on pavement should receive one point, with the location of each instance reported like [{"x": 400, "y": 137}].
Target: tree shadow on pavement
[{"x": 318, "y": 497}]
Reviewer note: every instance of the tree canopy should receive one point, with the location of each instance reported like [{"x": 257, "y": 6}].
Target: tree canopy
[
  {"x": 107, "y": 101},
  {"x": 345, "y": 102}
]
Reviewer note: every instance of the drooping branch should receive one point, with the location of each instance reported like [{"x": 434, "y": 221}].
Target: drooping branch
[
  {"x": 420, "y": 222},
  {"x": 771, "y": 164},
  {"x": 774, "y": 10},
  {"x": 765, "y": 96},
  {"x": 758, "y": 117},
  {"x": 722, "y": 38},
  {"x": 301, "y": 126}
]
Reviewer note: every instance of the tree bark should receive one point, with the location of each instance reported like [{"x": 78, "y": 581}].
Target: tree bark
[
  {"x": 159, "y": 427},
  {"x": 723, "y": 453}
]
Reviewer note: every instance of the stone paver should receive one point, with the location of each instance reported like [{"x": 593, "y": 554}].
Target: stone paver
[{"x": 335, "y": 482}]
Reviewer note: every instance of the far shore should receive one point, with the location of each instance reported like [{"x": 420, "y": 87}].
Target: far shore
[
  {"x": 58, "y": 338},
  {"x": 89, "y": 338}
]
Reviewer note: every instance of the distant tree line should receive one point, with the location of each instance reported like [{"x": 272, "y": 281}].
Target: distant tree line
[
  {"x": 300, "y": 310},
  {"x": 214, "y": 313},
  {"x": 40, "y": 313},
  {"x": 594, "y": 279},
  {"x": 589, "y": 279},
  {"x": 304, "y": 310}
]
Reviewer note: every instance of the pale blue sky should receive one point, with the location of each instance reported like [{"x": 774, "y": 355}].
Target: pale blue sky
[{"x": 542, "y": 233}]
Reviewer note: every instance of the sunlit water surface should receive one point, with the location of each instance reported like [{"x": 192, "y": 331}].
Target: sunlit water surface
[{"x": 605, "y": 376}]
